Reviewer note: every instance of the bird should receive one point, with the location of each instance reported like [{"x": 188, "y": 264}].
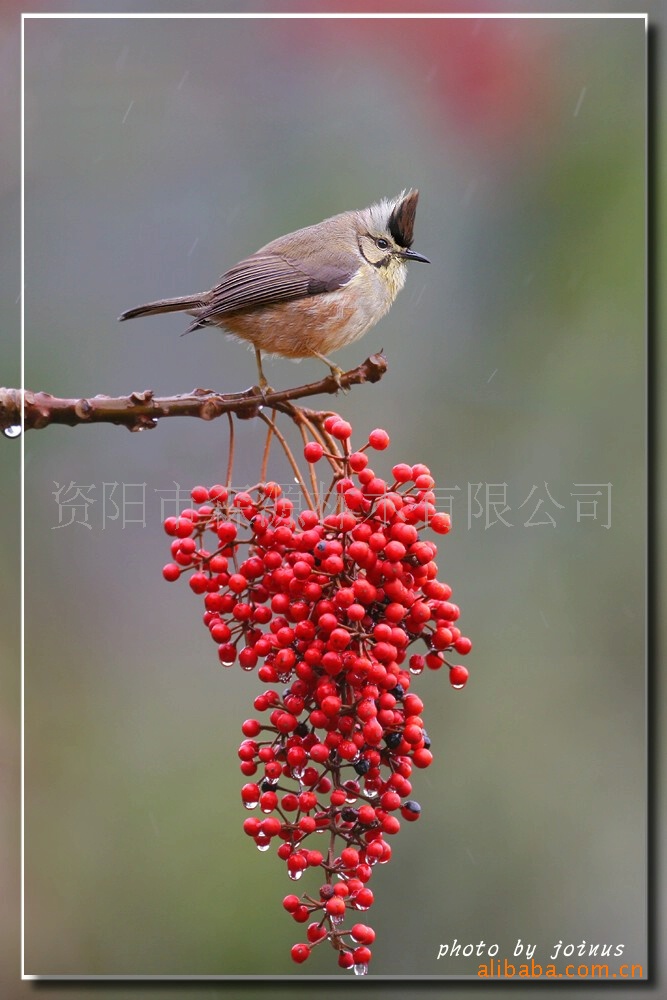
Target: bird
[{"x": 312, "y": 291}]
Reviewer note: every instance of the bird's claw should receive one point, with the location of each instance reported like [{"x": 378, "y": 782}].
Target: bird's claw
[
  {"x": 337, "y": 374},
  {"x": 263, "y": 389}
]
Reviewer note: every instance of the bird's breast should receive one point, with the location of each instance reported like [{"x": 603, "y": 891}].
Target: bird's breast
[{"x": 322, "y": 323}]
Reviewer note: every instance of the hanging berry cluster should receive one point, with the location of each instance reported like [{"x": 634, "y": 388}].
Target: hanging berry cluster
[{"x": 326, "y": 606}]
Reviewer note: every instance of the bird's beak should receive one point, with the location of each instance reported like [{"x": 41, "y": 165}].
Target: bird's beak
[{"x": 412, "y": 255}]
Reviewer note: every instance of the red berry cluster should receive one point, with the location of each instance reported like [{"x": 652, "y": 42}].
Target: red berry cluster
[{"x": 327, "y": 606}]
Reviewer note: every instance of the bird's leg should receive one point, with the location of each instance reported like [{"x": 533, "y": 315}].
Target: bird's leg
[
  {"x": 335, "y": 370},
  {"x": 263, "y": 382}
]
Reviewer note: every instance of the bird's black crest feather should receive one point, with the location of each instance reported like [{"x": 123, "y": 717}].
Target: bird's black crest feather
[{"x": 402, "y": 220}]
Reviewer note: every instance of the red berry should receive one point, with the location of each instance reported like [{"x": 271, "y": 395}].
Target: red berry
[
  {"x": 363, "y": 899},
  {"x": 198, "y": 583},
  {"x": 319, "y": 753},
  {"x": 367, "y": 815},
  {"x": 458, "y": 676},
  {"x": 171, "y": 572},
  {"x": 378, "y": 439},
  {"x": 390, "y": 800},
  {"x": 441, "y": 523},
  {"x": 184, "y": 527},
  {"x": 362, "y": 955},
  {"x": 341, "y": 429},
  {"x": 237, "y": 583},
  {"x": 313, "y": 451},
  {"x": 218, "y": 493},
  {"x": 362, "y": 933},
  {"x": 335, "y": 906},
  {"x": 375, "y": 487},
  {"x": 227, "y": 654},
  {"x": 350, "y": 857},
  {"x": 315, "y": 932},
  {"x": 358, "y": 461},
  {"x": 300, "y": 952},
  {"x": 250, "y": 793},
  {"x": 422, "y": 757}
]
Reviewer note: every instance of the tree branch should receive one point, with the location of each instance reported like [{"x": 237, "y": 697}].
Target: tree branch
[{"x": 142, "y": 410}]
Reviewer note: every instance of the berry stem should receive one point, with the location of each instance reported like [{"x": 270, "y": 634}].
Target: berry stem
[
  {"x": 301, "y": 424},
  {"x": 290, "y": 458},
  {"x": 267, "y": 448},
  {"x": 230, "y": 459}
]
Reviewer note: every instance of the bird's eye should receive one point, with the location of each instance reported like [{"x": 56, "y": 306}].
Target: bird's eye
[{"x": 382, "y": 244}]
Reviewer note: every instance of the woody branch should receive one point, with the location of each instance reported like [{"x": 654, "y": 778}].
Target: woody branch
[{"x": 142, "y": 410}]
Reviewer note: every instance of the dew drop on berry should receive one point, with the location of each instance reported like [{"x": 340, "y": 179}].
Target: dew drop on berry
[
  {"x": 359, "y": 906},
  {"x": 251, "y": 805},
  {"x": 361, "y": 969},
  {"x": 263, "y": 847},
  {"x": 295, "y": 875}
]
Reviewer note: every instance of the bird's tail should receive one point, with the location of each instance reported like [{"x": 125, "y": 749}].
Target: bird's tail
[{"x": 185, "y": 303}]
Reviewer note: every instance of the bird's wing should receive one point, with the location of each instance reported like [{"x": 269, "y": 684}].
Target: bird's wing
[{"x": 265, "y": 279}]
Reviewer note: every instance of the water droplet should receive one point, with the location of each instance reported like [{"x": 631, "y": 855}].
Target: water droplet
[
  {"x": 297, "y": 772},
  {"x": 351, "y": 798},
  {"x": 335, "y": 920},
  {"x": 370, "y": 793},
  {"x": 457, "y": 687},
  {"x": 358, "y": 906},
  {"x": 264, "y": 847},
  {"x": 251, "y": 805},
  {"x": 416, "y": 670},
  {"x": 12, "y": 432},
  {"x": 227, "y": 663},
  {"x": 295, "y": 876},
  {"x": 243, "y": 667},
  {"x": 361, "y": 969}
]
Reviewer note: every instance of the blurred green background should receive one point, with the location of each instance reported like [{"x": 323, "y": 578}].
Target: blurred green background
[{"x": 157, "y": 154}]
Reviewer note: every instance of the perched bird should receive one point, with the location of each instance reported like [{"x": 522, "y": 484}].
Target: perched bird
[{"x": 312, "y": 291}]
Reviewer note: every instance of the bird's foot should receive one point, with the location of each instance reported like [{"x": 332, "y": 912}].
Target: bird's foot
[
  {"x": 337, "y": 374},
  {"x": 263, "y": 389}
]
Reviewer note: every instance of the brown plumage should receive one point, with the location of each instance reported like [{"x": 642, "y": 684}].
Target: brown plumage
[{"x": 312, "y": 291}]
